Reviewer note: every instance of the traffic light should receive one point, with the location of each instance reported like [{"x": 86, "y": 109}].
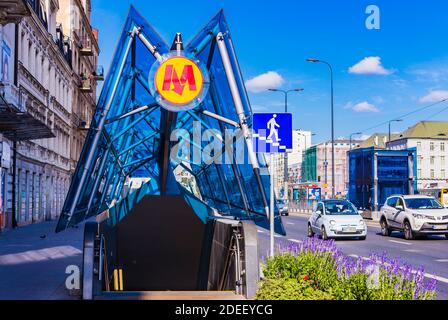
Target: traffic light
[{"x": 318, "y": 178}]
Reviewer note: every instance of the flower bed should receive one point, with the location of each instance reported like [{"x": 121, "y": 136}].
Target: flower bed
[{"x": 317, "y": 270}]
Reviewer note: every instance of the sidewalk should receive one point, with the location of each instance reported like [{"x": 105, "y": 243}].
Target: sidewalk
[{"x": 33, "y": 260}]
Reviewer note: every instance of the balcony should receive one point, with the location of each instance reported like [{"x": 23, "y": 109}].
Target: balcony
[
  {"x": 85, "y": 46},
  {"x": 98, "y": 75},
  {"x": 13, "y": 11},
  {"x": 86, "y": 85}
]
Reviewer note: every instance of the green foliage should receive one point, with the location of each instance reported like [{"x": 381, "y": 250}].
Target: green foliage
[
  {"x": 309, "y": 275},
  {"x": 289, "y": 289}
]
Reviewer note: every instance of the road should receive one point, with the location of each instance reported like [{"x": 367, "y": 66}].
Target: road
[{"x": 431, "y": 253}]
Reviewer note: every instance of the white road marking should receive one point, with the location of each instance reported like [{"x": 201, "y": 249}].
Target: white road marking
[
  {"x": 442, "y": 260},
  {"x": 401, "y": 242},
  {"x": 290, "y": 223},
  {"x": 260, "y": 231},
  {"x": 277, "y": 236},
  {"x": 413, "y": 250},
  {"x": 438, "y": 278},
  {"x": 427, "y": 275},
  {"x": 295, "y": 240}
]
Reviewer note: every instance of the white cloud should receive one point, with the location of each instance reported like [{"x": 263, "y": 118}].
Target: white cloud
[
  {"x": 265, "y": 81},
  {"x": 434, "y": 96},
  {"x": 369, "y": 65},
  {"x": 362, "y": 107}
]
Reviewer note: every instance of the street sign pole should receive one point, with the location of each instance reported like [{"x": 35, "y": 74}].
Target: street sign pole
[
  {"x": 271, "y": 206},
  {"x": 272, "y": 135}
]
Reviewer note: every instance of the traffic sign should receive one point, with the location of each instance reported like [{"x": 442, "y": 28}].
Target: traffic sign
[{"x": 272, "y": 132}]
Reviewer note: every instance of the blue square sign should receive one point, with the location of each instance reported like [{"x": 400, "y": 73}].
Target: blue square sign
[{"x": 272, "y": 132}]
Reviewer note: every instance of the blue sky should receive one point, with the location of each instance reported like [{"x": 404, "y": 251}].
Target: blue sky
[{"x": 406, "y": 66}]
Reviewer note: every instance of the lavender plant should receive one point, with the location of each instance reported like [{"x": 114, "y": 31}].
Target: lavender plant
[{"x": 320, "y": 266}]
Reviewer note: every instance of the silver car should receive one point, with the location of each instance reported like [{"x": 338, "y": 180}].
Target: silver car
[
  {"x": 415, "y": 215},
  {"x": 337, "y": 219}
]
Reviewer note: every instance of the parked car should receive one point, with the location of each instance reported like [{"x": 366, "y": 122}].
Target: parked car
[
  {"x": 283, "y": 207},
  {"x": 415, "y": 215},
  {"x": 337, "y": 218}
]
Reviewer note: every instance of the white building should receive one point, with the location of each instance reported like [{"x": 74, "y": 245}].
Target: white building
[
  {"x": 301, "y": 141},
  {"x": 430, "y": 138},
  {"x": 43, "y": 99}
]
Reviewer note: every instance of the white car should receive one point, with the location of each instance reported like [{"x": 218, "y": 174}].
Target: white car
[
  {"x": 337, "y": 219},
  {"x": 415, "y": 215}
]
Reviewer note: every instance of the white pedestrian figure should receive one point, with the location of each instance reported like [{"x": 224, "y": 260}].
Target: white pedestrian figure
[{"x": 272, "y": 126}]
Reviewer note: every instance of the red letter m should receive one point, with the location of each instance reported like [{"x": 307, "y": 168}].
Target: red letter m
[{"x": 171, "y": 76}]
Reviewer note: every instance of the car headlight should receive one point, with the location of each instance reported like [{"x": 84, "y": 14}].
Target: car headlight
[
  {"x": 361, "y": 222},
  {"x": 332, "y": 222},
  {"x": 418, "y": 216}
]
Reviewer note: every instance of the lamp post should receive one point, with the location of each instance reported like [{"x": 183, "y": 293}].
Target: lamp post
[
  {"x": 285, "y": 169},
  {"x": 353, "y": 134},
  {"x": 314, "y": 60},
  {"x": 395, "y": 120}
]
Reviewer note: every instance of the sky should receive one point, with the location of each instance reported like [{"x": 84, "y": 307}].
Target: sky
[{"x": 379, "y": 74}]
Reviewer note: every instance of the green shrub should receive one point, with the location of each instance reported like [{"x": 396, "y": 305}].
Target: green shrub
[{"x": 317, "y": 270}]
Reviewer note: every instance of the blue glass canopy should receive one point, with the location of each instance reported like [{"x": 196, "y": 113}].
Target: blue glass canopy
[{"x": 130, "y": 136}]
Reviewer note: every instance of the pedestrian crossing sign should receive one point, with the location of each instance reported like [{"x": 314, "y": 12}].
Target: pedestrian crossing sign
[{"x": 272, "y": 132}]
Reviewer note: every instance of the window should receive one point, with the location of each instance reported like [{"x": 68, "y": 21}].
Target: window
[
  {"x": 391, "y": 202},
  {"x": 419, "y": 173},
  {"x": 419, "y": 146},
  {"x": 442, "y": 161},
  {"x": 431, "y": 161},
  {"x": 442, "y": 146},
  {"x": 419, "y": 161},
  {"x": 442, "y": 174},
  {"x": 431, "y": 146},
  {"x": 432, "y": 174}
]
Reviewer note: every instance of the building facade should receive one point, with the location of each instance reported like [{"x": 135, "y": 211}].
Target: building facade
[
  {"x": 430, "y": 139},
  {"x": 317, "y": 166},
  {"x": 301, "y": 141},
  {"x": 43, "y": 98}
]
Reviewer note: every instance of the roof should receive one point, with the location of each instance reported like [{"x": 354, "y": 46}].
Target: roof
[
  {"x": 410, "y": 196},
  {"x": 426, "y": 129},
  {"x": 378, "y": 140}
]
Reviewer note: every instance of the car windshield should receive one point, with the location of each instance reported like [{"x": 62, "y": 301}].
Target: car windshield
[
  {"x": 281, "y": 201},
  {"x": 340, "y": 208},
  {"x": 423, "y": 203}
]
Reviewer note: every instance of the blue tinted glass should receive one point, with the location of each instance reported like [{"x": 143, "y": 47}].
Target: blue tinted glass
[{"x": 129, "y": 136}]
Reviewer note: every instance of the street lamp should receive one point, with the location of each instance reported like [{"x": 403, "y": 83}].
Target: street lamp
[
  {"x": 395, "y": 120},
  {"x": 314, "y": 60},
  {"x": 353, "y": 134},
  {"x": 285, "y": 169}
]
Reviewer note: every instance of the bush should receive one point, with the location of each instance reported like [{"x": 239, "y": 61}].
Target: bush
[{"x": 316, "y": 270}]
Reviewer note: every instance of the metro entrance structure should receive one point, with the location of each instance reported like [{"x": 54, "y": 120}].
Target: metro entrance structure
[{"x": 166, "y": 225}]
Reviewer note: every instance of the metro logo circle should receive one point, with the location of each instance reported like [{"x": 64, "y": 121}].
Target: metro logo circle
[{"x": 179, "y": 80}]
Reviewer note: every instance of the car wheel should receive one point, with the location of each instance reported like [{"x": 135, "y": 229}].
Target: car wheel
[
  {"x": 446, "y": 236},
  {"x": 310, "y": 231},
  {"x": 408, "y": 234},
  {"x": 385, "y": 231},
  {"x": 363, "y": 238},
  {"x": 324, "y": 233}
]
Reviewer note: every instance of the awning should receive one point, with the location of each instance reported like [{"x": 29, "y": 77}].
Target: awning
[{"x": 17, "y": 126}]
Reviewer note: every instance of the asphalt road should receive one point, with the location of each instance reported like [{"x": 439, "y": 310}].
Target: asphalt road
[{"x": 431, "y": 253}]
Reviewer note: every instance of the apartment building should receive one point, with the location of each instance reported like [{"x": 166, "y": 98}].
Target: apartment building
[
  {"x": 301, "y": 141},
  {"x": 430, "y": 138},
  {"x": 317, "y": 166},
  {"x": 45, "y": 104}
]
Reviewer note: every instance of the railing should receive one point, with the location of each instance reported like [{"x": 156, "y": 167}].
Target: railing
[{"x": 302, "y": 205}]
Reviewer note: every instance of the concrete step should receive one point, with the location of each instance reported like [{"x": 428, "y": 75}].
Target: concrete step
[{"x": 169, "y": 295}]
